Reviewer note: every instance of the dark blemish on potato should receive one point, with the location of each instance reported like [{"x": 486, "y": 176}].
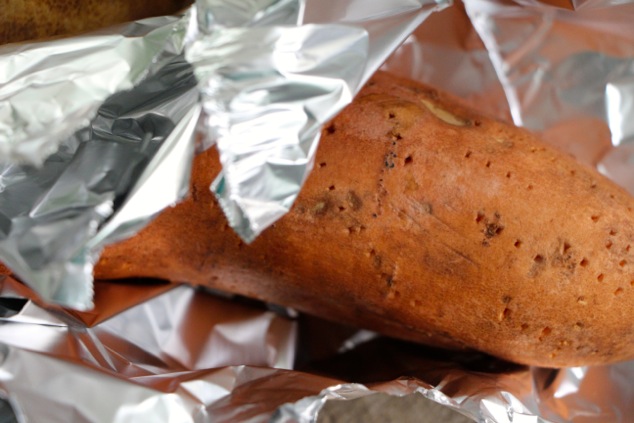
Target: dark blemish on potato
[
  {"x": 517, "y": 243},
  {"x": 194, "y": 193},
  {"x": 322, "y": 164},
  {"x": 600, "y": 277},
  {"x": 608, "y": 244},
  {"x": 389, "y": 280},
  {"x": 618, "y": 291},
  {"x": 395, "y": 135},
  {"x": 584, "y": 262},
  {"x": 545, "y": 332},
  {"x": 467, "y": 154},
  {"x": 330, "y": 129},
  {"x": 376, "y": 259},
  {"x": 331, "y": 188},
  {"x": 504, "y": 314},
  {"x": 353, "y": 201},
  {"x": 391, "y": 115},
  {"x": 595, "y": 218},
  {"x": 492, "y": 229},
  {"x": 389, "y": 160},
  {"x": 408, "y": 160}
]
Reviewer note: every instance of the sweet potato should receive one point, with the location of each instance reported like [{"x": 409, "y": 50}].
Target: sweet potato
[
  {"x": 22, "y": 20},
  {"x": 425, "y": 221}
]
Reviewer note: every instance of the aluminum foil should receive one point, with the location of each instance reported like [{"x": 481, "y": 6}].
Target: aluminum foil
[
  {"x": 49, "y": 90},
  {"x": 158, "y": 352},
  {"x": 257, "y": 79}
]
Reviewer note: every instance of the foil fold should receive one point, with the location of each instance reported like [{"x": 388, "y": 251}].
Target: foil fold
[
  {"x": 49, "y": 90},
  {"x": 264, "y": 103},
  {"x": 102, "y": 184},
  {"x": 166, "y": 351}
]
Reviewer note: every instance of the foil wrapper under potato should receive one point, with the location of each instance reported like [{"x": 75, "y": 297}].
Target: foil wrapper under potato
[{"x": 97, "y": 136}]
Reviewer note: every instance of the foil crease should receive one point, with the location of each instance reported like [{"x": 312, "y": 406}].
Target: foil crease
[
  {"x": 103, "y": 183},
  {"x": 267, "y": 88},
  {"x": 176, "y": 353},
  {"x": 49, "y": 90},
  {"x": 566, "y": 72}
]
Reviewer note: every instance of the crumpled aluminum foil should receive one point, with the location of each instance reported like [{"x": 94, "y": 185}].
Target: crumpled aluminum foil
[
  {"x": 166, "y": 353},
  {"x": 256, "y": 85},
  {"x": 160, "y": 352}
]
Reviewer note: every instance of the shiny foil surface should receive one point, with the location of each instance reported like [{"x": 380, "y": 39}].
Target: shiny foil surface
[
  {"x": 97, "y": 134},
  {"x": 257, "y": 80}
]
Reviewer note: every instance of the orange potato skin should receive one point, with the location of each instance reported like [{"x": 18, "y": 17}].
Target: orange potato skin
[{"x": 426, "y": 221}]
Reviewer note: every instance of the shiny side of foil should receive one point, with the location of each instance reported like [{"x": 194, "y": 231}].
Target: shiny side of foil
[
  {"x": 267, "y": 87},
  {"x": 161, "y": 352},
  {"x": 104, "y": 182},
  {"x": 97, "y": 132}
]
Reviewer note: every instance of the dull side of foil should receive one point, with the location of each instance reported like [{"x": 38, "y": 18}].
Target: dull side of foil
[
  {"x": 54, "y": 215},
  {"x": 49, "y": 90}
]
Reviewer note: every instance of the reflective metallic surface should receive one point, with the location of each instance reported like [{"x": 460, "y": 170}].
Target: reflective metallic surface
[
  {"x": 119, "y": 151},
  {"x": 49, "y": 90},
  {"x": 103, "y": 183}
]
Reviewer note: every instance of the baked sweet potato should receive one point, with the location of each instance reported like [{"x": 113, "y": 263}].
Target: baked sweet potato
[
  {"x": 22, "y": 20},
  {"x": 425, "y": 221}
]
